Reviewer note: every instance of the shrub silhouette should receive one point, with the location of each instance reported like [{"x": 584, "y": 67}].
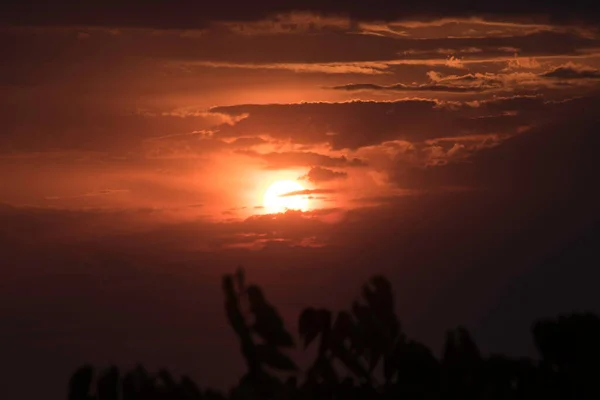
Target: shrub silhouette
[{"x": 364, "y": 354}]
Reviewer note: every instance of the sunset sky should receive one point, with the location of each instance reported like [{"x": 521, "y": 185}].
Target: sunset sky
[{"x": 452, "y": 147}]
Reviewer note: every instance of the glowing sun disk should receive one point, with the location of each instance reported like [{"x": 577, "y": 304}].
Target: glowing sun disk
[{"x": 276, "y": 200}]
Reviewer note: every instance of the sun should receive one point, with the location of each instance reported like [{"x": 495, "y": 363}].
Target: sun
[{"x": 280, "y": 197}]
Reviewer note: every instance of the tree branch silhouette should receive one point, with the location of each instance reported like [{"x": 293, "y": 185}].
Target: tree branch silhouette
[{"x": 353, "y": 344}]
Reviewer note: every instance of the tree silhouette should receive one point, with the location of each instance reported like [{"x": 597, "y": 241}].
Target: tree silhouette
[
  {"x": 364, "y": 354},
  {"x": 252, "y": 317}
]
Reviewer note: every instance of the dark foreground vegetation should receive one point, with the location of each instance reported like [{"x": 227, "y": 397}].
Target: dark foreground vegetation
[{"x": 363, "y": 354}]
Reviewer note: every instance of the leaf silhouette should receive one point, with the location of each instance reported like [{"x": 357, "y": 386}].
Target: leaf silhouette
[
  {"x": 256, "y": 298},
  {"x": 380, "y": 307},
  {"x": 389, "y": 367},
  {"x": 234, "y": 315},
  {"x": 414, "y": 359},
  {"x": 468, "y": 344},
  {"x": 568, "y": 342},
  {"x": 381, "y": 298},
  {"x": 108, "y": 385},
  {"x": 168, "y": 380},
  {"x": 189, "y": 389},
  {"x": 375, "y": 356},
  {"x": 308, "y": 326},
  {"x": 351, "y": 362},
  {"x": 359, "y": 340},
  {"x": 268, "y": 324},
  {"x": 129, "y": 387},
  {"x": 240, "y": 279},
  {"x": 80, "y": 383},
  {"x": 323, "y": 368},
  {"x": 212, "y": 395},
  {"x": 343, "y": 327},
  {"x": 271, "y": 356},
  {"x": 313, "y": 322}
]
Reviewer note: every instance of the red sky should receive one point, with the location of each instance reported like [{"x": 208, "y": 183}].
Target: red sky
[{"x": 456, "y": 155}]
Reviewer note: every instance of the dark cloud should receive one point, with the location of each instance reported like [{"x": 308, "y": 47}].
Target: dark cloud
[
  {"x": 573, "y": 71},
  {"x": 196, "y": 143},
  {"x": 320, "y": 174},
  {"x": 389, "y": 199},
  {"x": 186, "y": 57},
  {"x": 307, "y": 192},
  {"x": 401, "y": 87},
  {"x": 188, "y": 14},
  {"x": 103, "y": 192},
  {"x": 550, "y": 160},
  {"x": 247, "y": 142},
  {"x": 355, "y": 124},
  {"x": 33, "y": 126},
  {"x": 505, "y": 80},
  {"x": 276, "y": 160},
  {"x": 346, "y": 53},
  {"x": 342, "y": 125}
]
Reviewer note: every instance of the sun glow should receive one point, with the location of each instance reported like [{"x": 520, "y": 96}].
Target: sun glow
[{"x": 280, "y": 197}]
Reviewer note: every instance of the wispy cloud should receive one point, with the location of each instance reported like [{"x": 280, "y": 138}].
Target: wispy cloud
[
  {"x": 507, "y": 80},
  {"x": 572, "y": 71},
  {"x": 320, "y": 174},
  {"x": 401, "y": 87},
  {"x": 307, "y": 192},
  {"x": 287, "y": 159},
  {"x": 102, "y": 192},
  {"x": 359, "y": 67}
]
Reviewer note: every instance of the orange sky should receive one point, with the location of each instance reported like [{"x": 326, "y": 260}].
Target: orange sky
[{"x": 130, "y": 118}]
